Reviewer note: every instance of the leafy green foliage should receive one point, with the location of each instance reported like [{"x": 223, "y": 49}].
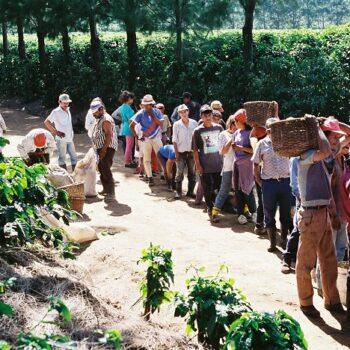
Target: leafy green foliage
[
  {"x": 305, "y": 71},
  {"x": 46, "y": 342},
  {"x": 265, "y": 331},
  {"x": 58, "y": 305},
  {"x": 6, "y": 309},
  {"x": 113, "y": 338},
  {"x": 4, "y": 142},
  {"x": 4, "y": 345},
  {"x": 24, "y": 194},
  {"x": 155, "y": 287},
  {"x": 212, "y": 303}
]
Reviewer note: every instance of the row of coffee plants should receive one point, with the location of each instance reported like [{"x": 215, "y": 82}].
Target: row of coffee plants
[
  {"x": 24, "y": 193},
  {"x": 215, "y": 309},
  {"x": 28, "y": 340}
]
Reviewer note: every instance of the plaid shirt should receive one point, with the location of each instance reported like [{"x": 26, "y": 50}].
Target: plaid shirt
[{"x": 273, "y": 166}]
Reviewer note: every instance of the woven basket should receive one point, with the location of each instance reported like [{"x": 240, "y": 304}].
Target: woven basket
[
  {"x": 292, "y": 137},
  {"x": 77, "y": 204},
  {"x": 76, "y": 196},
  {"x": 259, "y": 111},
  {"x": 74, "y": 190}
]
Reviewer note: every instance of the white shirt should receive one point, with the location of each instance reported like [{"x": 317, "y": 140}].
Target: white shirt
[
  {"x": 63, "y": 122},
  {"x": 89, "y": 122},
  {"x": 182, "y": 135},
  {"x": 228, "y": 157},
  {"x": 27, "y": 144}
]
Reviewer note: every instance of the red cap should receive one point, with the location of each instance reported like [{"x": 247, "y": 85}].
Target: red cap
[
  {"x": 259, "y": 132},
  {"x": 40, "y": 140},
  {"x": 332, "y": 124},
  {"x": 240, "y": 116}
]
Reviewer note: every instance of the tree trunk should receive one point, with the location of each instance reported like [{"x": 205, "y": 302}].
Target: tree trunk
[
  {"x": 5, "y": 43},
  {"x": 21, "y": 44},
  {"x": 95, "y": 43},
  {"x": 66, "y": 46},
  {"x": 178, "y": 17},
  {"x": 131, "y": 42},
  {"x": 248, "y": 33},
  {"x": 42, "y": 52}
]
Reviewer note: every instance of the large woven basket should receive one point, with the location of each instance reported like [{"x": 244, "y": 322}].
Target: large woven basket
[
  {"x": 259, "y": 111},
  {"x": 76, "y": 196},
  {"x": 294, "y": 136}
]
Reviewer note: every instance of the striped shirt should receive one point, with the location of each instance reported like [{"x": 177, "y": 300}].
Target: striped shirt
[
  {"x": 98, "y": 135},
  {"x": 150, "y": 129}
]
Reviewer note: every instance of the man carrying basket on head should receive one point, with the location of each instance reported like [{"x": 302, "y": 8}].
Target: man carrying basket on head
[{"x": 317, "y": 215}]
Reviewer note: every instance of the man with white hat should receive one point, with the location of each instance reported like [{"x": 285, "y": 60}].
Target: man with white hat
[
  {"x": 182, "y": 140},
  {"x": 59, "y": 123},
  {"x": 37, "y": 147},
  {"x": 105, "y": 142},
  {"x": 151, "y": 122}
]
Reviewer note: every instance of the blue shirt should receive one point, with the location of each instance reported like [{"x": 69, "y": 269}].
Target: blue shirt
[
  {"x": 167, "y": 151},
  {"x": 149, "y": 127},
  {"x": 126, "y": 113}
]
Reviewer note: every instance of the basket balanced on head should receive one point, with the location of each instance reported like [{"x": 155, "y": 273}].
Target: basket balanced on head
[
  {"x": 259, "y": 111},
  {"x": 294, "y": 136}
]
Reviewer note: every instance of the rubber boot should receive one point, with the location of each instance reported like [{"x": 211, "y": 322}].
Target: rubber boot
[
  {"x": 178, "y": 192},
  {"x": 271, "y": 232},
  {"x": 284, "y": 235},
  {"x": 190, "y": 192},
  {"x": 63, "y": 166},
  {"x": 348, "y": 305},
  {"x": 169, "y": 186},
  {"x": 73, "y": 167},
  {"x": 215, "y": 215}
]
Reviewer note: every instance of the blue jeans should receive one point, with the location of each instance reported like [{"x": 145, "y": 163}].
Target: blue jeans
[
  {"x": 340, "y": 238},
  {"x": 63, "y": 148},
  {"x": 293, "y": 240},
  {"x": 276, "y": 193},
  {"x": 225, "y": 188}
]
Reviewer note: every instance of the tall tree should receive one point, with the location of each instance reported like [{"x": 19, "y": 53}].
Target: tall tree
[
  {"x": 247, "y": 31},
  {"x": 4, "y": 20}
]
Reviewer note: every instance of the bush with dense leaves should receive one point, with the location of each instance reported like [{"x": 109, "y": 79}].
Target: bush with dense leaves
[{"x": 305, "y": 71}]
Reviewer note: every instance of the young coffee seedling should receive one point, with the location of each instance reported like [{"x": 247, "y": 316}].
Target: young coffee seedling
[
  {"x": 212, "y": 303},
  {"x": 155, "y": 286},
  {"x": 265, "y": 331}
]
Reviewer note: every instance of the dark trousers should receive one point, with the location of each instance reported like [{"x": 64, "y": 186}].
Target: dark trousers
[
  {"x": 260, "y": 209},
  {"x": 210, "y": 182},
  {"x": 243, "y": 199},
  {"x": 276, "y": 193},
  {"x": 104, "y": 167},
  {"x": 186, "y": 161},
  {"x": 293, "y": 240}
]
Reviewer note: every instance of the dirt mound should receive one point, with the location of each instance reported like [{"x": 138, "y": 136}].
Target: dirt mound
[{"x": 41, "y": 273}]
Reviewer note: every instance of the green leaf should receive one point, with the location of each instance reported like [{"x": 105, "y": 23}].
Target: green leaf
[
  {"x": 4, "y": 345},
  {"x": 5, "y": 309},
  {"x": 112, "y": 337},
  {"x": 58, "y": 305}
]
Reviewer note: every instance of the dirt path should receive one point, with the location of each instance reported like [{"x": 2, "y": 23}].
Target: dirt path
[{"x": 142, "y": 216}]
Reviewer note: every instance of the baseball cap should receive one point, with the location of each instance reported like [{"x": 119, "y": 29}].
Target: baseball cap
[
  {"x": 148, "y": 100},
  {"x": 95, "y": 106},
  {"x": 217, "y": 105},
  {"x": 205, "y": 108},
  {"x": 182, "y": 107},
  {"x": 332, "y": 124},
  {"x": 64, "y": 98},
  {"x": 270, "y": 121},
  {"x": 259, "y": 132},
  {"x": 40, "y": 140}
]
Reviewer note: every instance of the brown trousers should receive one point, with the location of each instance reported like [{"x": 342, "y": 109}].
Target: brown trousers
[
  {"x": 104, "y": 167},
  {"x": 316, "y": 240}
]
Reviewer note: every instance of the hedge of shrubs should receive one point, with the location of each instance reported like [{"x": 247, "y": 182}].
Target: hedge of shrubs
[{"x": 305, "y": 71}]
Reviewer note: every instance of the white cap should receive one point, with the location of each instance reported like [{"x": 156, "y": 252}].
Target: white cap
[
  {"x": 182, "y": 107},
  {"x": 95, "y": 106},
  {"x": 64, "y": 98},
  {"x": 148, "y": 100}
]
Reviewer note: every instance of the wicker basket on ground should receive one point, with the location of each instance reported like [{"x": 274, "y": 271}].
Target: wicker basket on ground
[
  {"x": 292, "y": 137},
  {"x": 259, "y": 111},
  {"x": 76, "y": 196}
]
